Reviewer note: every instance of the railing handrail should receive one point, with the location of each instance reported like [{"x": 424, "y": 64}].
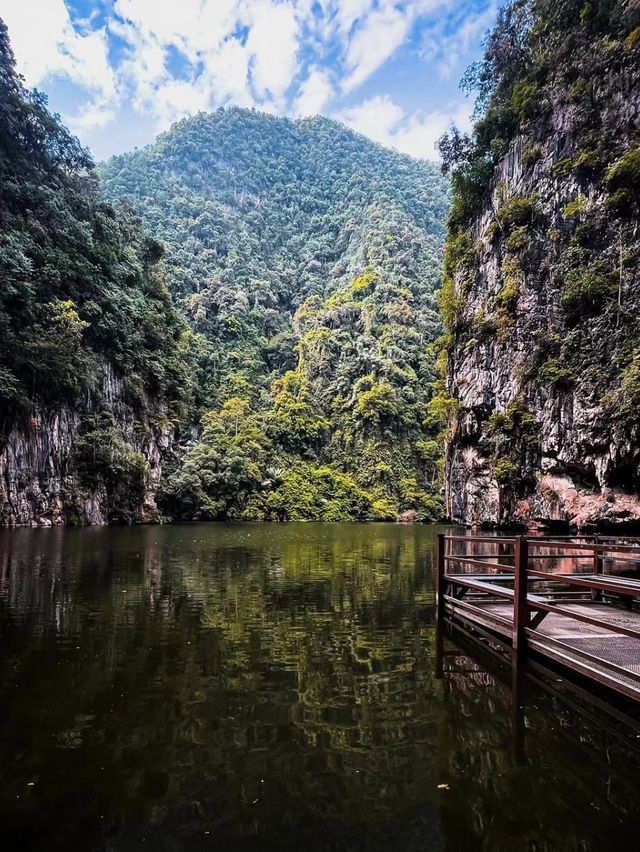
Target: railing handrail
[
  {"x": 591, "y": 548},
  {"x": 529, "y": 610},
  {"x": 557, "y": 543},
  {"x": 481, "y": 538}
]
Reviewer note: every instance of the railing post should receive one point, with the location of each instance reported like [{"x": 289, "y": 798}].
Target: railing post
[
  {"x": 440, "y": 568},
  {"x": 440, "y": 571},
  {"x": 598, "y": 568},
  {"x": 598, "y": 563},
  {"x": 520, "y": 597}
]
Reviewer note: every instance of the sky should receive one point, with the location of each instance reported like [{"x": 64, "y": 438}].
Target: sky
[{"x": 121, "y": 71}]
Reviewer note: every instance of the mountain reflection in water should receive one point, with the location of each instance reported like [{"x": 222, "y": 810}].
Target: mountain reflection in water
[{"x": 272, "y": 687}]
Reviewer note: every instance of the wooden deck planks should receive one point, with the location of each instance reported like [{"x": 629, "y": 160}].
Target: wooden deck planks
[{"x": 608, "y": 646}]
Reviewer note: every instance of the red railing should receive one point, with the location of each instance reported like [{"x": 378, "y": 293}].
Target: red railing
[{"x": 511, "y": 573}]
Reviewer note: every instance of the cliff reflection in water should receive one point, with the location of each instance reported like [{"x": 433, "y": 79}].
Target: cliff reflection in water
[{"x": 269, "y": 688}]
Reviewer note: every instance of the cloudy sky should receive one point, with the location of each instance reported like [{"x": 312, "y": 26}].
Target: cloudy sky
[{"x": 120, "y": 71}]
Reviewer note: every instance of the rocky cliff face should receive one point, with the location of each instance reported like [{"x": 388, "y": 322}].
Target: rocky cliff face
[
  {"x": 544, "y": 347},
  {"x": 95, "y": 466}
]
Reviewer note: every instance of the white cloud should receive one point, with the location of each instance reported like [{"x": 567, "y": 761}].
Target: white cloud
[
  {"x": 94, "y": 116},
  {"x": 381, "y": 119},
  {"x": 380, "y": 35},
  {"x": 347, "y": 12},
  {"x": 375, "y": 117},
  {"x": 227, "y": 73},
  {"x": 273, "y": 45},
  {"x": 194, "y": 26},
  {"x": 177, "y": 99},
  {"x": 373, "y": 32},
  {"x": 315, "y": 93},
  {"x": 47, "y": 45},
  {"x": 447, "y": 42},
  {"x": 225, "y": 67},
  {"x": 299, "y": 57}
]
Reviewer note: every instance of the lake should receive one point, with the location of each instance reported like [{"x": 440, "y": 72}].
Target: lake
[{"x": 273, "y": 687}]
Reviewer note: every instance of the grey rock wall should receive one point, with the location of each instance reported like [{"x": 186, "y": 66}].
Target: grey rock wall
[
  {"x": 39, "y": 481},
  {"x": 575, "y": 461}
]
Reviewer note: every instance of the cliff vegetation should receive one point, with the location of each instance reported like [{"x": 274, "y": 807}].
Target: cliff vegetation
[{"x": 541, "y": 295}]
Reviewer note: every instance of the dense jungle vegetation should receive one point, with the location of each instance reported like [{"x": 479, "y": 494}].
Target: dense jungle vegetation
[
  {"x": 81, "y": 285},
  {"x": 306, "y": 260}
]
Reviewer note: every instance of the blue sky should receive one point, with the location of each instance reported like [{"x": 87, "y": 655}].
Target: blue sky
[{"x": 121, "y": 71}]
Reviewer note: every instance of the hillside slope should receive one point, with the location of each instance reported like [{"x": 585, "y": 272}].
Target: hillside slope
[
  {"x": 542, "y": 291},
  {"x": 306, "y": 259}
]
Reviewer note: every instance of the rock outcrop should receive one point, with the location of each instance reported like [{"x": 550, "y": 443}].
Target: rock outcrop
[
  {"x": 48, "y": 476},
  {"x": 544, "y": 346}
]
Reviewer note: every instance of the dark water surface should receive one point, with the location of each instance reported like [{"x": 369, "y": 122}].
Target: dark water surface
[{"x": 272, "y": 687}]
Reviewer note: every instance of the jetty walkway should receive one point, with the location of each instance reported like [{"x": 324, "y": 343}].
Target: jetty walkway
[{"x": 574, "y": 602}]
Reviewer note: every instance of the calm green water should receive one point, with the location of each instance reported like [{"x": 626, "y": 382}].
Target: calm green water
[{"x": 272, "y": 687}]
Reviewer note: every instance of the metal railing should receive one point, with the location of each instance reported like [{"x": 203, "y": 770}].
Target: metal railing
[{"x": 511, "y": 571}]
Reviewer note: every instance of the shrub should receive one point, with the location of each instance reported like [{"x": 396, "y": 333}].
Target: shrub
[
  {"x": 441, "y": 409},
  {"x": 483, "y": 325},
  {"x": 310, "y": 493},
  {"x": 587, "y": 162},
  {"x": 577, "y": 207},
  {"x": 586, "y": 290},
  {"x": 515, "y": 421},
  {"x": 633, "y": 39},
  {"x": 557, "y": 376},
  {"x": 525, "y": 97},
  {"x": 378, "y": 402},
  {"x": 623, "y": 182},
  {"x": 625, "y": 172},
  {"x": 507, "y": 297},
  {"x": 450, "y": 302},
  {"x": 470, "y": 184},
  {"x": 518, "y": 240},
  {"x": 492, "y": 230},
  {"x": 531, "y": 153},
  {"x": 517, "y": 210},
  {"x": 512, "y": 276},
  {"x": 458, "y": 253},
  {"x": 625, "y": 401},
  {"x": 619, "y": 203},
  {"x": 103, "y": 456},
  {"x": 505, "y": 472}
]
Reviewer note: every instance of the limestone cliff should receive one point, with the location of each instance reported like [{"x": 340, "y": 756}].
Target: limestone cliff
[
  {"x": 542, "y": 286},
  {"x": 95, "y": 465}
]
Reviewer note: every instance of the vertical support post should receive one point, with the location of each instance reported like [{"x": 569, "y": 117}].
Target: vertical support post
[
  {"x": 440, "y": 571},
  {"x": 520, "y": 598},
  {"x": 598, "y": 563},
  {"x": 598, "y": 567}
]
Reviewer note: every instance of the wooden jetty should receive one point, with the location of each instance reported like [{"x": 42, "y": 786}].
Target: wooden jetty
[{"x": 558, "y": 599}]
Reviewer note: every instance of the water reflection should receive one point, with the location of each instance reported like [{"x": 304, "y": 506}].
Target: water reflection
[{"x": 270, "y": 687}]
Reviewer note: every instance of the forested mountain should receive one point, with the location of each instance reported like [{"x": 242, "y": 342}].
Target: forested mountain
[
  {"x": 306, "y": 260},
  {"x": 541, "y": 295},
  {"x": 90, "y": 369}
]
